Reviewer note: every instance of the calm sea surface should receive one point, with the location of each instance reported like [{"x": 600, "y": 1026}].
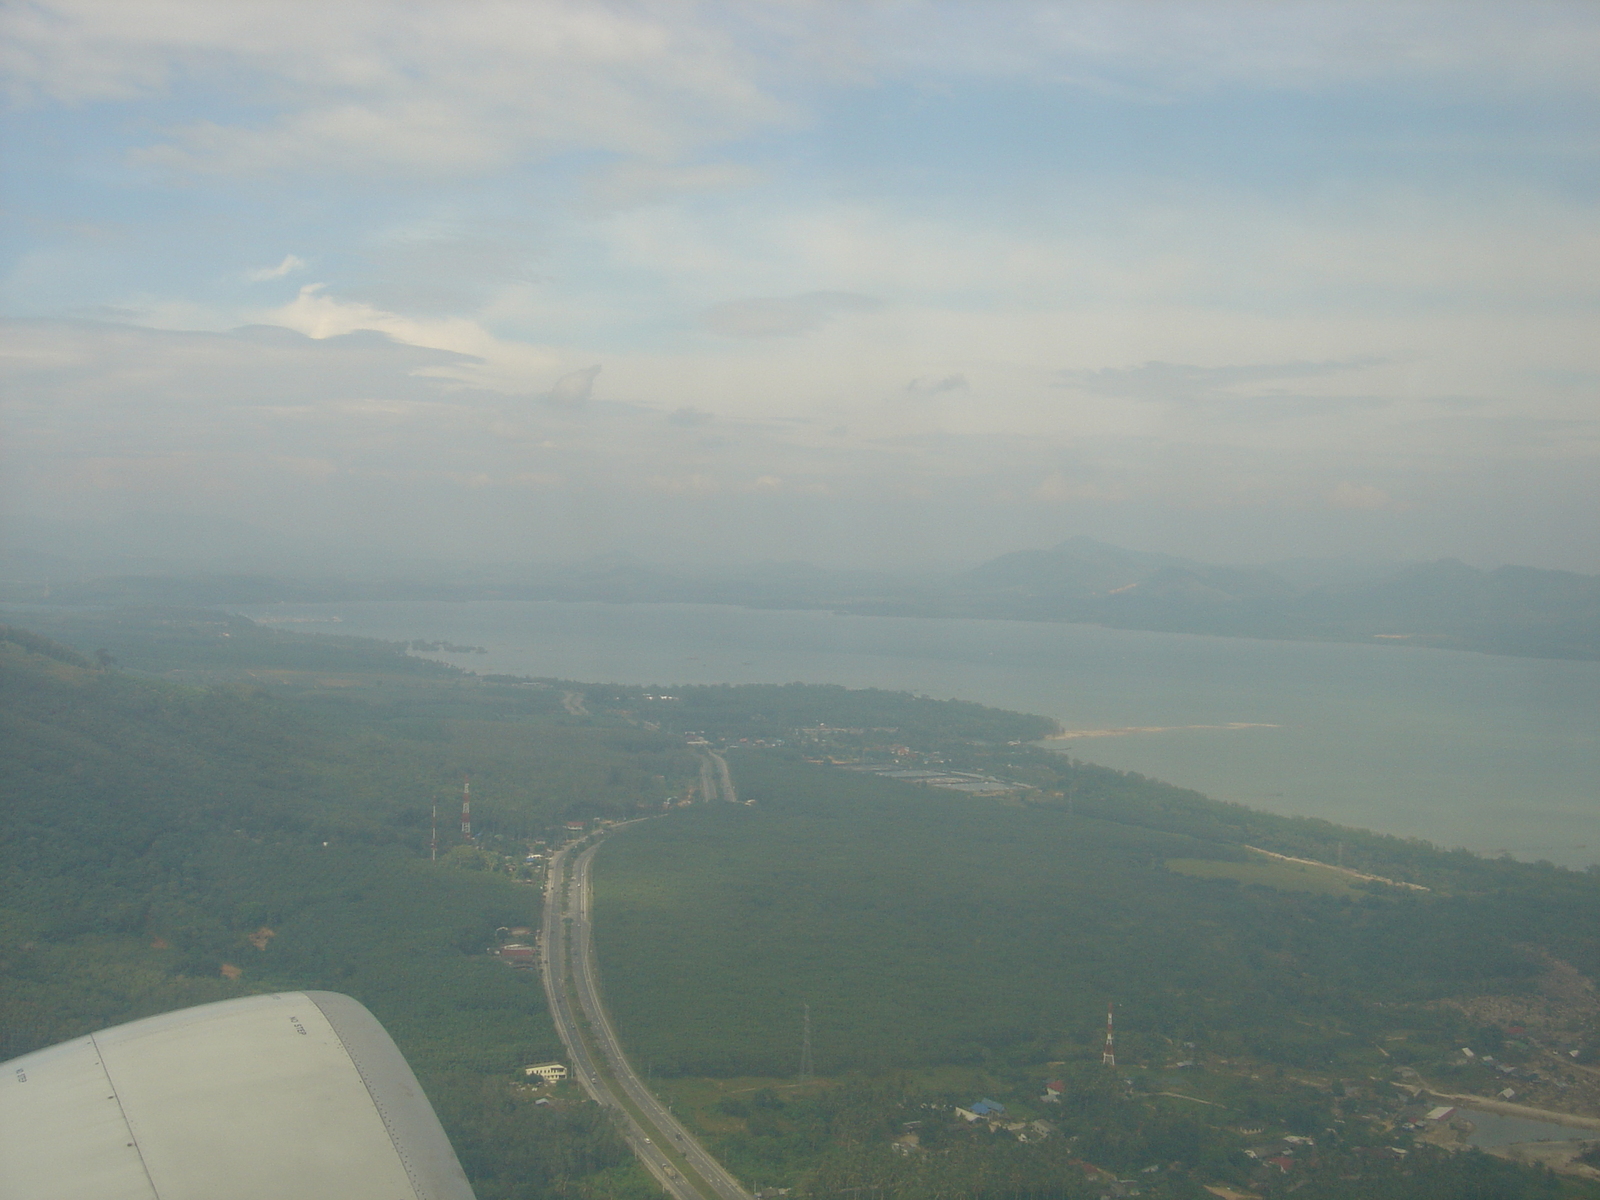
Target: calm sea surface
[{"x": 1491, "y": 753}]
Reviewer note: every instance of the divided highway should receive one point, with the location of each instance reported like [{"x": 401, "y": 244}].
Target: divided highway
[
  {"x": 728, "y": 794},
  {"x": 713, "y": 767},
  {"x": 569, "y": 972}
]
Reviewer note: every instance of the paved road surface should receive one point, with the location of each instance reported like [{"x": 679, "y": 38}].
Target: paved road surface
[
  {"x": 728, "y": 794},
  {"x": 570, "y": 881}
]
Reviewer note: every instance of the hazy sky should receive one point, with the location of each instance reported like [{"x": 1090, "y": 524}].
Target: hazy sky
[{"x": 901, "y": 282}]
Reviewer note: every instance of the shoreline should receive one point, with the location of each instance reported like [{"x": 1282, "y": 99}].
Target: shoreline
[{"x": 1066, "y": 735}]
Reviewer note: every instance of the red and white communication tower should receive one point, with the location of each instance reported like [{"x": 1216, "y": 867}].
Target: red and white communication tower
[
  {"x": 1109, "y": 1056},
  {"x": 466, "y": 808}
]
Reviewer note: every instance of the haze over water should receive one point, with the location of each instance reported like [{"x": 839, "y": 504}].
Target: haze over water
[{"x": 1490, "y": 753}]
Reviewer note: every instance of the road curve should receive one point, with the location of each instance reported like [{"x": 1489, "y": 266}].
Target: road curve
[{"x": 568, "y": 958}]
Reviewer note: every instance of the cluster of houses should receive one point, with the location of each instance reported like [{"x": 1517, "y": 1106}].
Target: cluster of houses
[
  {"x": 1510, "y": 1071},
  {"x": 994, "y": 1115},
  {"x": 955, "y": 781},
  {"x": 1284, "y": 1153},
  {"x": 997, "y": 1119}
]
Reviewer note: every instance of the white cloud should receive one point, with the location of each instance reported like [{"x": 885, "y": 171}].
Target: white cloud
[
  {"x": 388, "y": 85},
  {"x": 362, "y": 433},
  {"x": 505, "y": 366},
  {"x": 628, "y": 184},
  {"x": 782, "y": 316},
  {"x": 935, "y": 387},
  {"x": 689, "y": 417},
  {"x": 574, "y": 389},
  {"x": 1157, "y": 51},
  {"x": 1220, "y": 335},
  {"x": 1183, "y": 382},
  {"x": 289, "y": 264},
  {"x": 1503, "y": 244},
  {"x": 478, "y": 85}
]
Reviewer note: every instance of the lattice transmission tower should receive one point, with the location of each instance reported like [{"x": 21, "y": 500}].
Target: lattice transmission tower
[{"x": 1109, "y": 1056}]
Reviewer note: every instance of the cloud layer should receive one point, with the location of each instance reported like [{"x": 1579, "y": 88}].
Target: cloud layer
[
  {"x": 921, "y": 281},
  {"x": 781, "y": 316}
]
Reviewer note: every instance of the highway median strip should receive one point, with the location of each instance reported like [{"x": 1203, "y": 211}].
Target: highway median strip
[
  {"x": 607, "y": 1081},
  {"x": 619, "y": 1096}
]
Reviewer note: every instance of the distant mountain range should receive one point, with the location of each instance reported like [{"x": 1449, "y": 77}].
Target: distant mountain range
[
  {"x": 1446, "y": 604},
  {"x": 1511, "y": 610}
]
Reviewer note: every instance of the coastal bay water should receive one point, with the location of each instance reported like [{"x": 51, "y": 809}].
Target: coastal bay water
[{"x": 1495, "y": 754}]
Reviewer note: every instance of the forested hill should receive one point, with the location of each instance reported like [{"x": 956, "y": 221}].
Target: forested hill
[
  {"x": 1510, "y": 610},
  {"x": 1445, "y": 604}
]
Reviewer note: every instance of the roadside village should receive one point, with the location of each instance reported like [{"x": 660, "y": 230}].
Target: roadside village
[{"x": 1405, "y": 1116}]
